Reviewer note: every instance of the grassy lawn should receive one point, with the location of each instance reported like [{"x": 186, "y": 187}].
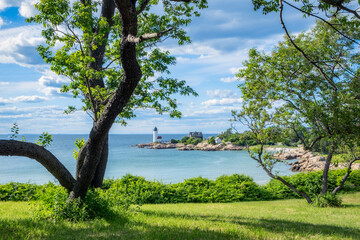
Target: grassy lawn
[{"x": 286, "y": 219}]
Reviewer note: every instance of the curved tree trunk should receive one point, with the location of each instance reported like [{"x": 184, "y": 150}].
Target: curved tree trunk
[
  {"x": 132, "y": 76},
  {"x": 100, "y": 170},
  {"x": 40, "y": 154}
]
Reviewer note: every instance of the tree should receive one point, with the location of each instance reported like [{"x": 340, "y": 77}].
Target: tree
[
  {"x": 111, "y": 59},
  {"x": 285, "y": 90}
]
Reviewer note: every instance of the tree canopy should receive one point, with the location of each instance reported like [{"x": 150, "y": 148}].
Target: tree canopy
[
  {"x": 109, "y": 51},
  {"x": 315, "y": 99}
]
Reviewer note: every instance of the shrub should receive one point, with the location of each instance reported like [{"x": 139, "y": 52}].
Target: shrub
[
  {"x": 184, "y": 139},
  {"x": 18, "y": 192},
  {"x": 54, "y": 204},
  {"x": 211, "y": 140},
  {"x": 327, "y": 200},
  {"x": 174, "y": 141},
  {"x": 310, "y": 183}
]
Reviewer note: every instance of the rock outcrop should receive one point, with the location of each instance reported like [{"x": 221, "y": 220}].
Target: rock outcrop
[
  {"x": 203, "y": 146},
  {"x": 308, "y": 161}
]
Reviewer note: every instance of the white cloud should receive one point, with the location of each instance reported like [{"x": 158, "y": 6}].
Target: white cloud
[
  {"x": 228, "y": 79},
  {"x": 26, "y": 7},
  {"x": 18, "y": 45},
  {"x": 234, "y": 70},
  {"x": 25, "y": 99},
  {"x": 221, "y": 93},
  {"x": 224, "y": 101},
  {"x": 51, "y": 83},
  {"x": 4, "y": 83},
  {"x": 215, "y": 111}
]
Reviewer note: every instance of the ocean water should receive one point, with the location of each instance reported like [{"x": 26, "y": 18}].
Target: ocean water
[{"x": 165, "y": 165}]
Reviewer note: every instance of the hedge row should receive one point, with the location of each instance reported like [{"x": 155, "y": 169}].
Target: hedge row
[{"x": 136, "y": 190}]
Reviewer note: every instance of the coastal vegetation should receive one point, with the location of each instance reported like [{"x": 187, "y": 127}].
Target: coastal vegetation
[
  {"x": 137, "y": 190},
  {"x": 310, "y": 94},
  {"x": 108, "y": 50}
]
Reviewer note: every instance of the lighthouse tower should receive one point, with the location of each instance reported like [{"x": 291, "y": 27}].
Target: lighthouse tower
[{"x": 155, "y": 134}]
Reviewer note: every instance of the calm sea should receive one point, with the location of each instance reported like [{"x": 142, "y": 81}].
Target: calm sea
[{"x": 168, "y": 165}]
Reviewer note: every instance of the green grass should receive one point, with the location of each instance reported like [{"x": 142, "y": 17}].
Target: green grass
[{"x": 285, "y": 219}]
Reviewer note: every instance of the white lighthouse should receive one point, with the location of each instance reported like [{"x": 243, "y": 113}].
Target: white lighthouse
[{"x": 155, "y": 134}]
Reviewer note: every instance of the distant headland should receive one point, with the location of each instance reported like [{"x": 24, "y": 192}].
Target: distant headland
[{"x": 194, "y": 141}]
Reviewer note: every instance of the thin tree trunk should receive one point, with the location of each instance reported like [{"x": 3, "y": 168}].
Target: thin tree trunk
[
  {"x": 324, "y": 185},
  {"x": 345, "y": 177},
  {"x": 286, "y": 183}
]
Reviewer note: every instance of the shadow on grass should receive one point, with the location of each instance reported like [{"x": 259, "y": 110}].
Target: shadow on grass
[
  {"x": 271, "y": 225},
  {"x": 119, "y": 227}
]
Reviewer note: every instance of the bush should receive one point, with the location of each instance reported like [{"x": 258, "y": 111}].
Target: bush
[
  {"x": 54, "y": 204},
  {"x": 174, "y": 141},
  {"x": 327, "y": 200},
  {"x": 184, "y": 139},
  {"x": 211, "y": 141},
  {"x": 18, "y": 192},
  {"x": 310, "y": 183}
]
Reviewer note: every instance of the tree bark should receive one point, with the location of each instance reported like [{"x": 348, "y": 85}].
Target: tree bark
[
  {"x": 345, "y": 177},
  {"x": 286, "y": 183},
  {"x": 100, "y": 170},
  {"x": 324, "y": 185},
  {"x": 40, "y": 154}
]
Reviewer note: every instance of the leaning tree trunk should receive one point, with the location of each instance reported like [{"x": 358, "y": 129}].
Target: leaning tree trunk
[
  {"x": 324, "y": 185},
  {"x": 132, "y": 76},
  {"x": 107, "y": 12}
]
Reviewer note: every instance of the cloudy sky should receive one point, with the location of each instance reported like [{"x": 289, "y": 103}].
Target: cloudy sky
[{"x": 221, "y": 38}]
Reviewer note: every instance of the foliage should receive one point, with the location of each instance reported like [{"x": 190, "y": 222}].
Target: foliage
[
  {"x": 18, "y": 192},
  {"x": 211, "y": 140},
  {"x": 44, "y": 140},
  {"x": 184, "y": 139},
  {"x": 310, "y": 182},
  {"x": 83, "y": 34},
  {"x": 15, "y": 132},
  {"x": 225, "y": 134},
  {"x": 78, "y": 144},
  {"x": 54, "y": 204},
  {"x": 174, "y": 141},
  {"x": 193, "y": 141},
  {"x": 327, "y": 200}
]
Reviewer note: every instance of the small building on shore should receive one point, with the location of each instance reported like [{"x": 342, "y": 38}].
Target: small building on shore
[{"x": 196, "y": 135}]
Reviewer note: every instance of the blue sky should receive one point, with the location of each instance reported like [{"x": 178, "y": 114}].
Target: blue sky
[{"x": 221, "y": 38}]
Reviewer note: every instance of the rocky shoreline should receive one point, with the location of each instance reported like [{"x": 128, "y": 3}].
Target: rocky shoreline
[
  {"x": 308, "y": 161},
  {"x": 203, "y": 146}
]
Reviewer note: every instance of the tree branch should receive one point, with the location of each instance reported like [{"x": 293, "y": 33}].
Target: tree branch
[
  {"x": 142, "y": 7},
  {"x": 322, "y": 19},
  {"x": 321, "y": 71},
  {"x": 343, "y": 180},
  {"x": 40, "y": 154},
  {"x": 147, "y": 36},
  {"x": 339, "y": 5}
]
